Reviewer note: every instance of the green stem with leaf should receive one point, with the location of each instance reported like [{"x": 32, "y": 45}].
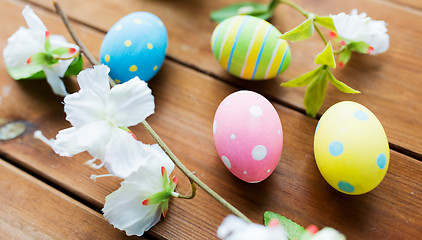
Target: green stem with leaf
[
  {"x": 191, "y": 176},
  {"x": 306, "y": 14}
]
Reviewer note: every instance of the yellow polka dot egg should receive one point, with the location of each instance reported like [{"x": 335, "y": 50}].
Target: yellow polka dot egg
[
  {"x": 135, "y": 46},
  {"x": 351, "y": 148}
]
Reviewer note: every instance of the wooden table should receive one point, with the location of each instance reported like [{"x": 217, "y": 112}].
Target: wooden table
[{"x": 44, "y": 196}]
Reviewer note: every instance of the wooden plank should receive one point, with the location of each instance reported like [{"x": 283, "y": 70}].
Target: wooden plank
[
  {"x": 30, "y": 209},
  {"x": 387, "y": 81},
  {"x": 185, "y": 105},
  {"x": 416, "y": 4}
]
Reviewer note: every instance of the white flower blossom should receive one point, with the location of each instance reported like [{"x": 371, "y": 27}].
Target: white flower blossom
[
  {"x": 358, "y": 27},
  {"x": 234, "y": 228},
  {"x": 31, "y": 50},
  {"x": 100, "y": 118},
  {"x": 326, "y": 233},
  {"x": 137, "y": 205}
]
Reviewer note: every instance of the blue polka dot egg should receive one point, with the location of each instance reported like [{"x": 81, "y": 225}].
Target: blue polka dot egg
[
  {"x": 351, "y": 148},
  {"x": 135, "y": 46}
]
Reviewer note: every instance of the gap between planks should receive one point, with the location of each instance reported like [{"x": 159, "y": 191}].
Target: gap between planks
[{"x": 397, "y": 148}]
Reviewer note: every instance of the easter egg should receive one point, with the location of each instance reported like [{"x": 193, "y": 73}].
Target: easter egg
[
  {"x": 248, "y": 135},
  {"x": 351, "y": 148},
  {"x": 250, "y": 48},
  {"x": 135, "y": 46}
]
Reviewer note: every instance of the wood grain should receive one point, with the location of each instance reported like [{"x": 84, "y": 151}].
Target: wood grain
[
  {"x": 394, "y": 73},
  {"x": 185, "y": 105},
  {"x": 416, "y": 4},
  {"x": 31, "y": 209}
]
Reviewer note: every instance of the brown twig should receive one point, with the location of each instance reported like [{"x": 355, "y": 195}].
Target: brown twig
[{"x": 75, "y": 38}]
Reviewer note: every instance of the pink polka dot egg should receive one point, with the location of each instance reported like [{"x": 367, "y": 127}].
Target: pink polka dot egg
[{"x": 248, "y": 135}]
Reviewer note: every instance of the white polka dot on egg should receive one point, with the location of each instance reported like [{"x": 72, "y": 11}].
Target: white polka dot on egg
[
  {"x": 226, "y": 161},
  {"x": 259, "y": 152},
  {"x": 233, "y": 136},
  {"x": 255, "y": 110}
]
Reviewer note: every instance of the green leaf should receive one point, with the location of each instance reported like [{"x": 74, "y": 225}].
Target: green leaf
[
  {"x": 340, "y": 85},
  {"x": 344, "y": 56},
  {"x": 326, "y": 21},
  {"x": 360, "y": 47},
  {"x": 253, "y": 9},
  {"x": 326, "y": 57},
  {"x": 294, "y": 230},
  {"x": 301, "y": 32},
  {"x": 273, "y": 4},
  {"x": 304, "y": 79},
  {"x": 75, "y": 67},
  {"x": 315, "y": 94}
]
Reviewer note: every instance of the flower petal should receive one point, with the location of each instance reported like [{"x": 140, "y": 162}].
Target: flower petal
[
  {"x": 350, "y": 27},
  {"x": 20, "y": 46},
  {"x": 55, "y": 82},
  {"x": 144, "y": 225},
  {"x": 131, "y": 102},
  {"x": 233, "y": 228},
  {"x": 95, "y": 79},
  {"x": 84, "y": 107},
  {"x": 328, "y": 234},
  {"x": 61, "y": 67},
  {"x": 123, "y": 154},
  {"x": 130, "y": 215},
  {"x": 156, "y": 159},
  {"x": 33, "y": 21},
  {"x": 65, "y": 144},
  {"x": 92, "y": 137},
  {"x": 229, "y": 225}
]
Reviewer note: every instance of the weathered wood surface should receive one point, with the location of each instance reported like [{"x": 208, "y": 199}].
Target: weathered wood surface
[
  {"x": 186, "y": 101},
  {"x": 394, "y": 73},
  {"x": 33, "y": 210}
]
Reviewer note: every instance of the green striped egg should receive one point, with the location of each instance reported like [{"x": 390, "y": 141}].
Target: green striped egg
[{"x": 250, "y": 48}]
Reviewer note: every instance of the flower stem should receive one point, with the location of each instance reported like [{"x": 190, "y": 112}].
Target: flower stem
[
  {"x": 191, "y": 176},
  {"x": 305, "y": 14},
  {"x": 66, "y": 22},
  {"x": 297, "y": 7},
  {"x": 320, "y": 34},
  {"x": 68, "y": 58},
  {"x": 192, "y": 195}
]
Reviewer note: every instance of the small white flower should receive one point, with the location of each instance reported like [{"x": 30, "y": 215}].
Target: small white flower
[
  {"x": 31, "y": 50},
  {"x": 137, "y": 205},
  {"x": 234, "y": 228},
  {"x": 358, "y": 27},
  {"x": 324, "y": 234},
  {"x": 100, "y": 118}
]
